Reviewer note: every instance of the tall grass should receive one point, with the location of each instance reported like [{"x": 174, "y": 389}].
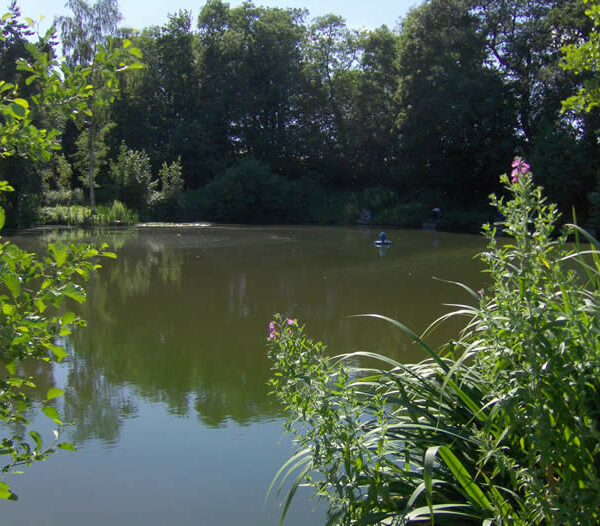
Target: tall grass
[
  {"x": 500, "y": 426},
  {"x": 116, "y": 214}
]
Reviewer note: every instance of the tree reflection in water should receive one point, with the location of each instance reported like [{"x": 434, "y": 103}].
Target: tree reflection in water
[{"x": 179, "y": 318}]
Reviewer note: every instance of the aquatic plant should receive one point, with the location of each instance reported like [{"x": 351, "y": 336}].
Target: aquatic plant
[{"x": 498, "y": 426}]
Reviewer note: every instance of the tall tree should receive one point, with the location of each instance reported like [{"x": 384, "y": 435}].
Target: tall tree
[
  {"x": 524, "y": 40},
  {"x": 86, "y": 41},
  {"x": 250, "y": 78},
  {"x": 331, "y": 58},
  {"x": 455, "y": 118},
  {"x": 90, "y": 27},
  {"x": 583, "y": 58},
  {"x": 158, "y": 108},
  {"x": 372, "y": 134},
  {"x": 17, "y": 170}
]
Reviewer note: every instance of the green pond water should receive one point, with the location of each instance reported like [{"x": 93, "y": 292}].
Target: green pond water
[{"x": 166, "y": 387}]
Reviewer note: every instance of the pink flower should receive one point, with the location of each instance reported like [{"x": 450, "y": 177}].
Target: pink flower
[
  {"x": 290, "y": 321},
  {"x": 518, "y": 167},
  {"x": 271, "y": 331}
]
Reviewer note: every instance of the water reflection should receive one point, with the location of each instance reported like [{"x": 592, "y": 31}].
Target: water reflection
[
  {"x": 179, "y": 318},
  {"x": 94, "y": 405}
]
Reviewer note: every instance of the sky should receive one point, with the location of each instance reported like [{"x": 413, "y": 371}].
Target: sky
[{"x": 139, "y": 14}]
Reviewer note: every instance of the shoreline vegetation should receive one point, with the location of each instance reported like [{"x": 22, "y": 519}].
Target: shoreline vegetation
[
  {"x": 499, "y": 425},
  {"x": 76, "y": 215},
  {"x": 118, "y": 214}
]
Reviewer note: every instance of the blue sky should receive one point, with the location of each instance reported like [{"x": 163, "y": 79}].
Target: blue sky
[{"x": 143, "y": 13}]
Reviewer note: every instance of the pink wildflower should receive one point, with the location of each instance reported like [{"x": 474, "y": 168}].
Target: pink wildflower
[
  {"x": 271, "y": 331},
  {"x": 518, "y": 167},
  {"x": 290, "y": 321}
]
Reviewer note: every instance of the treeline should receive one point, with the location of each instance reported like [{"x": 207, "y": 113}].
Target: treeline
[{"x": 260, "y": 115}]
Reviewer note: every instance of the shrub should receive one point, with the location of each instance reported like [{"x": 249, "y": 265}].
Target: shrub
[
  {"x": 64, "y": 197},
  {"x": 168, "y": 203},
  {"x": 500, "y": 426},
  {"x": 410, "y": 215},
  {"x": 248, "y": 192},
  {"x": 132, "y": 178}
]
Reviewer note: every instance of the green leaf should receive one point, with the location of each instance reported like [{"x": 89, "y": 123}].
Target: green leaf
[
  {"x": 68, "y": 317},
  {"x": 52, "y": 413},
  {"x": 54, "y": 392},
  {"x": 18, "y": 111},
  {"x": 13, "y": 284},
  {"x": 5, "y": 187},
  {"x": 22, "y": 102},
  {"x": 58, "y": 351},
  {"x": 67, "y": 446},
  {"x": 2, "y": 218},
  {"x": 5, "y": 492},
  {"x": 464, "y": 479},
  {"x": 428, "y": 463},
  {"x": 37, "y": 438},
  {"x": 11, "y": 367},
  {"x": 8, "y": 309},
  {"x": 74, "y": 291},
  {"x": 59, "y": 253}
]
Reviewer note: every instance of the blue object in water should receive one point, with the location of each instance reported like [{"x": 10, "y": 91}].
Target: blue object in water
[{"x": 383, "y": 241}]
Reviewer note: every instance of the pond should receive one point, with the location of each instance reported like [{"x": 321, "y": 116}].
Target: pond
[{"x": 166, "y": 386}]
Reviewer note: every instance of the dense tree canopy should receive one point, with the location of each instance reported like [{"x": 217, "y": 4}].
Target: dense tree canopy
[
  {"x": 455, "y": 121},
  {"x": 394, "y": 120}
]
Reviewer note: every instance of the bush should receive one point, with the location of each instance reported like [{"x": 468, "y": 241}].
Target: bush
[
  {"x": 464, "y": 220},
  {"x": 168, "y": 203},
  {"x": 132, "y": 178},
  {"x": 409, "y": 215},
  {"x": 64, "y": 197},
  {"x": 386, "y": 208},
  {"x": 500, "y": 426},
  {"x": 248, "y": 192}
]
